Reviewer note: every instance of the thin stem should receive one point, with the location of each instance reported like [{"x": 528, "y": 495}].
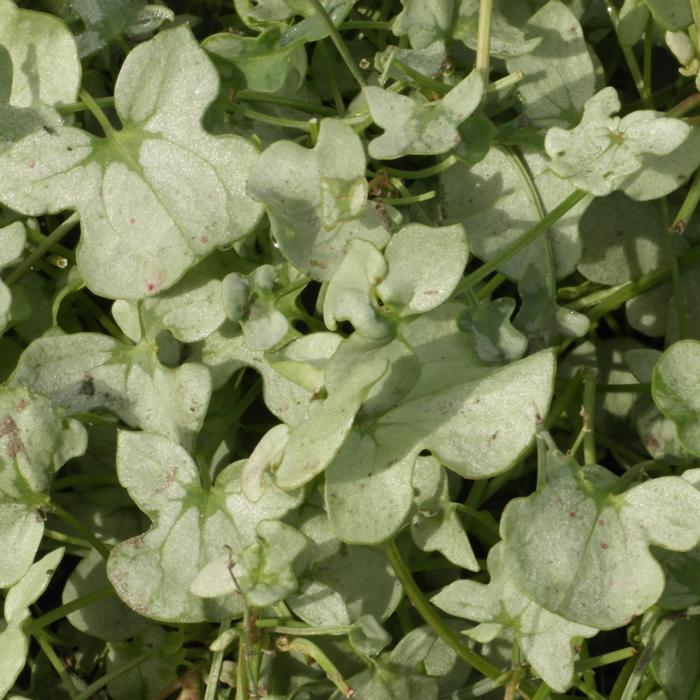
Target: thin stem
[
  {"x": 627, "y": 52},
  {"x": 269, "y": 119},
  {"x": 64, "y": 610},
  {"x": 483, "y": 40},
  {"x": 428, "y": 613},
  {"x": 690, "y": 203},
  {"x": 57, "y": 665},
  {"x": 676, "y": 280},
  {"x": 288, "y": 627},
  {"x": 436, "y": 169},
  {"x": 100, "y": 683},
  {"x": 517, "y": 245},
  {"x": 412, "y": 199},
  {"x": 330, "y": 73},
  {"x": 365, "y": 24},
  {"x": 97, "y": 112},
  {"x": 647, "y": 98},
  {"x": 339, "y": 43},
  {"x": 73, "y": 107},
  {"x": 66, "y": 539},
  {"x": 301, "y": 105},
  {"x": 67, "y": 518},
  {"x": 491, "y": 286},
  {"x": 589, "y": 450},
  {"x": 215, "y": 666},
  {"x": 612, "y": 657},
  {"x": 684, "y": 106},
  {"x": 54, "y": 237}
]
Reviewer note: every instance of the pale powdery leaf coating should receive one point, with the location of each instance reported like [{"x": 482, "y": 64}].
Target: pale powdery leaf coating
[
  {"x": 502, "y": 196},
  {"x": 435, "y": 525},
  {"x": 425, "y": 264},
  {"x": 296, "y": 186},
  {"x": 424, "y": 21},
  {"x": 581, "y": 551},
  {"x": 675, "y": 390},
  {"x": 413, "y": 125},
  {"x": 546, "y": 640},
  {"x": 349, "y": 293},
  {"x": 599, "y": 153},
  {"x": 134, "y": 189},
  {"x": 35, "y": 441},
  {"x": 263, "y": 571},
  {"x": 152, "y": 573},
  {"x": 559, "y": 76},
  {"x": 83, "y": 371},
  {"x": 14, "y": 642},
  {"x": 44, "y": 57},
  {"x": 108, "y": 619},
  {"x": 314, "y": 442},
  {"x": 341, "y": 583},
  {"x": 475, "y": 419},
  {"x": 12, "y": 239},
  {"x": 368, "y": 491}
]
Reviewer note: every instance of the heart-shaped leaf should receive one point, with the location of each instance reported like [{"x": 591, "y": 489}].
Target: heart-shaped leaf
[
  {"x": 192, "y": 526},
  {"x": 133, "y": 188},
  {"x": 546, "y": 640},
  {"x": 581, "y": 550},
  {"x": 83, "y": 371}
]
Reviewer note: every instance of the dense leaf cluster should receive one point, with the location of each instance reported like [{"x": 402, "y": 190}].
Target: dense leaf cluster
[{"x": 349, "y": 349}]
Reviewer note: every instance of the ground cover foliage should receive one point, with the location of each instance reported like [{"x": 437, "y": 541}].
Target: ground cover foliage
[{"x": 349, "y": 348}]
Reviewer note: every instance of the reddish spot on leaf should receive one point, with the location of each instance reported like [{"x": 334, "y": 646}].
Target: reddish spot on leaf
[
  {"x": 155, "y": 285},
  {"x": 21, "y": 405},
  {"x": 572, "y": 514},
  {"x": 204, "y": 239},
  {"x": 9, "y": 428},
  {"x": 150, "y": 286},
  {"x": 601, "y": 522},
  {"x": 132, "y": 220},
  {"x": 604, "y": 545},
  {"x": 32, "y": 164}
]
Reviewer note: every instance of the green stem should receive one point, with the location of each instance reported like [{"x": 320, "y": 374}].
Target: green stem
[
  {"x": 67, "y": 518},
  {"x": 66, "y": 539},
  {"x": 589, "y": 450},
  {"x": 483, "y": 40},
  {"x": 304, "y": 646},
  {"x": 66, "y": 609},
  {"x": 516, "y": 246},
  {"x": 73, "y": 107},
  {"x": 97, "y": 112},
  {"x": 428, "y": 613},
  {"x": 339, "y": 43},
  {"x": 290, "y": 627},
  {"x": 660, "y": 631},
  {"x": 412, "y": 199},
  {"x": 330, "y": 74},
  {"x": 365, "y": 24},
  {"x": 490, "y": 525},
  {"x": 436, "y": 169},
  {"x": 543, "y": 692},
  {"x": 676, "y": 280},
  {"x": 627, "y": 52},
  {"x": 684, "y": 106},
  {"x": 612, "y": 657},
  {"x": 690, "y": 203},
  {"x": 269, "y": 119},
  {"x": 301, "y": 105},
  {"x": 57, "y": 665},
  {"x": 215, "y": 666},
  {"x": 647, "y": 98},
  {"x": 100, "y": 683},
  {"x": 54, "y": 237},
  {"x": 491, "y": 286}
]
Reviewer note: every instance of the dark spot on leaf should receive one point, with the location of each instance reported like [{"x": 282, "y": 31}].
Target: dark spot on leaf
[
  {"x": 572, "y": 514},
  {"x": 69, "y": 148},
  {"x": 601, "y": 522},
  {"x": 150, "y": 286},
  {"x": 204, "y": 239},
  {"x": 132, "y": 221},
  {"x": 49, "y": 130},
  {"x": 9, "y": 429},
  {"x": 21, "y": 405},
  {"x": 318, "y": 263},
  {"x": 87, "y": 386},
  {"x": 32, "y": 164},
  {"x": 604, "y": 545}
]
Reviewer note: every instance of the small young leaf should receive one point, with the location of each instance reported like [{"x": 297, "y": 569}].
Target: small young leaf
[{"x": 412, "y": 125}]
